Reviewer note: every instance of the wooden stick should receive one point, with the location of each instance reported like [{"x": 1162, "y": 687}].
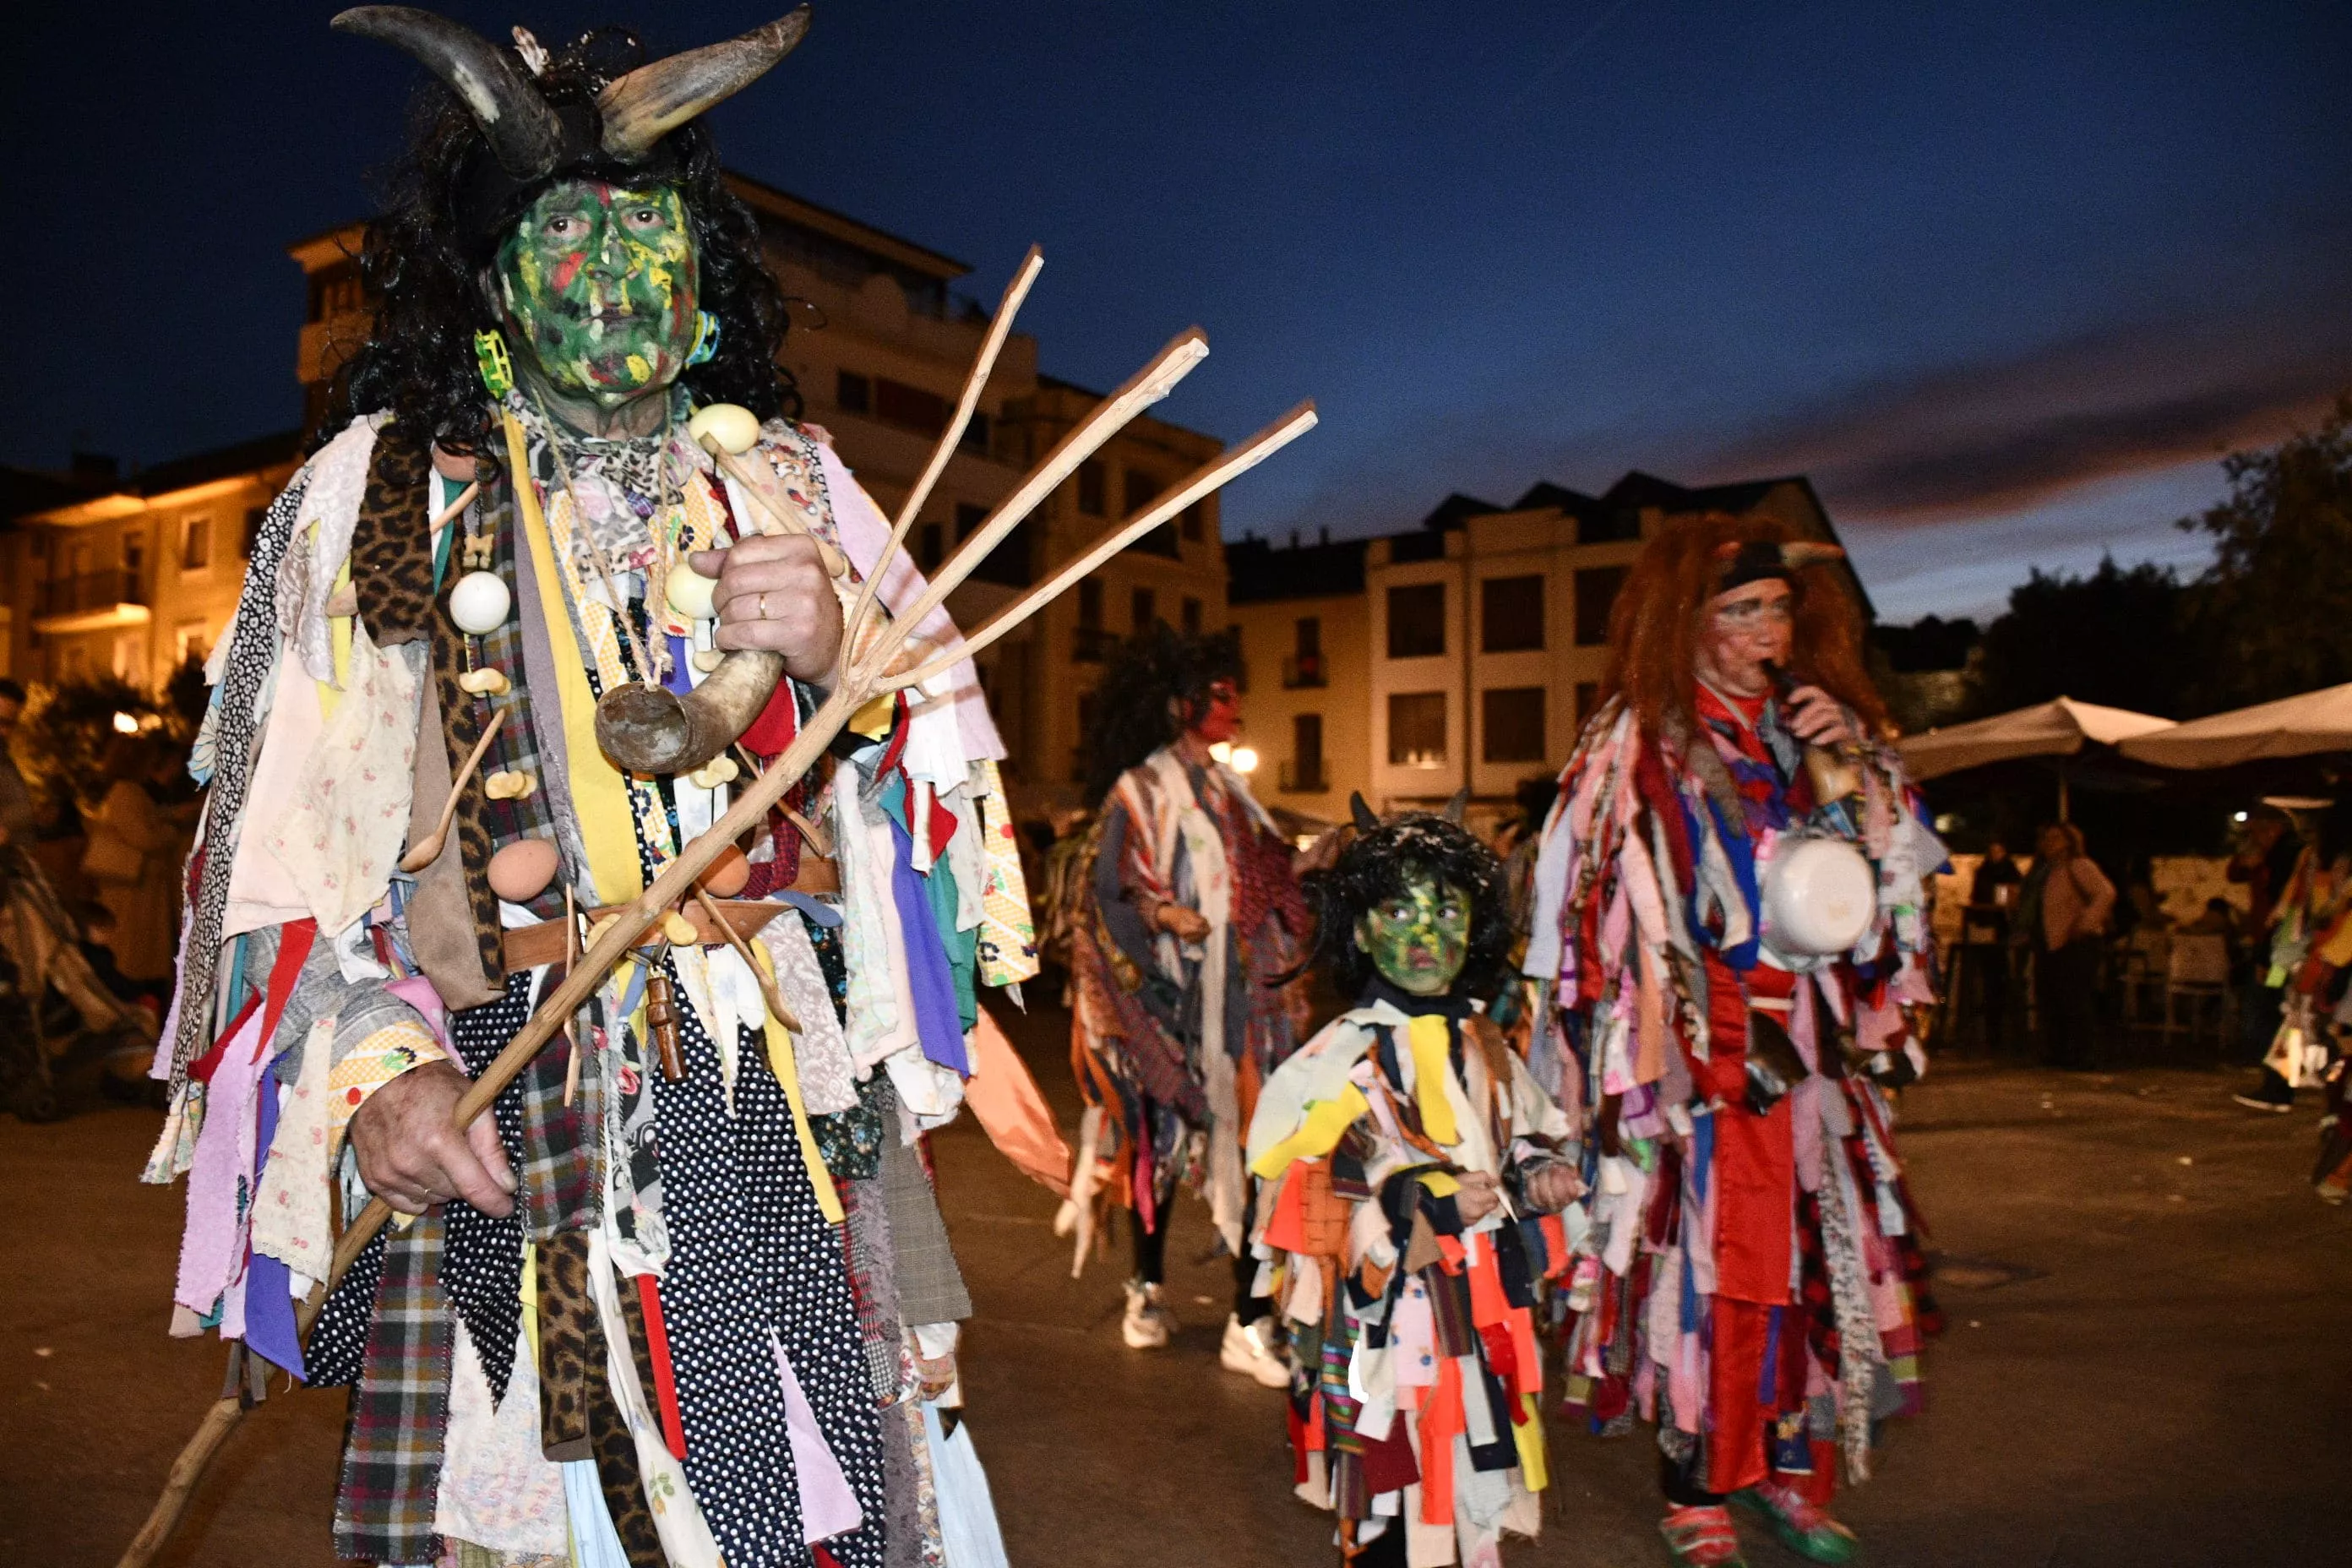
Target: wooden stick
[
  {"x": 572, "y": 1024},
  {"x": 427, "y": 849},
  {"x": 768, "y": 989},
  {"x": 756, "y": 484},
  {"x": 1207, "y": 478},
  {"x": 999, "y": 329},
  {"x": 465, "y": 499}
]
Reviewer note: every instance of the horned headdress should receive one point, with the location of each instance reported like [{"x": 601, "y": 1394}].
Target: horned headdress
[{"x": 529, "y": 137}]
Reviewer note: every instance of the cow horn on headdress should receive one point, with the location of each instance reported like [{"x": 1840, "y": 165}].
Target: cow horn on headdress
[
  {"x": 524, "y": 133},
  {"x": 655, "y": 98},
  {"x": 634, "y": 113}
]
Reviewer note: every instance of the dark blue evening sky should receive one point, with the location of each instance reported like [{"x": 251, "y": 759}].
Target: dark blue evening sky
[{"x": 2003, "y": 280}]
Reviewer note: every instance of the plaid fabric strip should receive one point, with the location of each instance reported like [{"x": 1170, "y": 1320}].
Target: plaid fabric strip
[
  {"x": 391, "y": 1447},
  {"x": 873, "y": 1289}
]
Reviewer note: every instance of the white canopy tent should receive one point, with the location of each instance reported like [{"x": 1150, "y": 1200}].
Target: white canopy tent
[
  {"x": 2291, "y": 727},
  {"x": 2055, "y": 729}
]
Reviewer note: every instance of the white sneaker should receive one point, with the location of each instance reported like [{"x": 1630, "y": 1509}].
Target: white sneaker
[
  {"x": 1149, "y": 1321},
  {"x": 1250, "y": 1351}
]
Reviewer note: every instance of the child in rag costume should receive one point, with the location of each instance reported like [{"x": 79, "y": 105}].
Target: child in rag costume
[
  {"x": 1183, "y": 935},
  {"x": 1731, "y": 910},
  {"x": 685, "y": 1297},
  {"x": 1410, "y": 1174}
]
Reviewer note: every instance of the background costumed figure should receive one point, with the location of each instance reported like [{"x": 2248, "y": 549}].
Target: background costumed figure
[
  {"x": 685, "y": 1294},
  {"x": 1188, "y": 921},
  {"x": 1410, "y": 1174},
  {"x": 1731, "y": 909}
]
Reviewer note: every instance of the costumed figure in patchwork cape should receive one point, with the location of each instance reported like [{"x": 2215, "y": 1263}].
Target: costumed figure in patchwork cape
[
  {"x": 1411, "y": 1172},
  {"x": 1188, "y": 921},
  {"x": 1731, "y": 910},
  {"x": 685, "y": 1297}
]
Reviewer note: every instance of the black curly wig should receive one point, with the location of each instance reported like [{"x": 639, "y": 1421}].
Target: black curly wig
[
  {"x": 1157, "y": 667},
  {"x": 423, "y": 264},
  {"x": 1383, "y": 862}
]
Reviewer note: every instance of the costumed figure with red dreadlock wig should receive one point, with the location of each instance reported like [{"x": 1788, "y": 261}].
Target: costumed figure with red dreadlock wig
[
  {"x": 1730, "y": 905},
  {"x": 1187, "y": 919},
  {"x": 1412, "y": 1173}
]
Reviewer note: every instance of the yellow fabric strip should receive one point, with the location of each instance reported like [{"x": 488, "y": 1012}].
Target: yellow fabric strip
[
  {"x": 600, "y": 796},
  {"x": 1439, "y": 1183},
  {"x": 1432, "y": 1045},
  {"x": 372, "y": 1063},
  {"x": 788, "y": 1073},
  {"x": 1320, "y": 1131},
  {"x": 339, "y": 632},
  {"x": 1529, "y": 1435},
  {"x": 530, "y": 1298}
]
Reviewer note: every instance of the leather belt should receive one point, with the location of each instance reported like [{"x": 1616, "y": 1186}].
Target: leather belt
[{"x": 528, "y": 947}]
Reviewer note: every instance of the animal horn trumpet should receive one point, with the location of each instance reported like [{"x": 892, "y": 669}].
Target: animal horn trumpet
[
  {"x": 641, "y": 108},
  {"x": 650, "y": 729},
  {"x": 524, "y": 132}
]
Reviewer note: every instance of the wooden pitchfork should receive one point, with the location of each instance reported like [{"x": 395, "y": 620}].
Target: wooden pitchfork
[{"x": 861, "y": 674}]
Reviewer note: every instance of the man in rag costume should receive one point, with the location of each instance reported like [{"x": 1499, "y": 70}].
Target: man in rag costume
[
  {"x": 685, "y": 1297},
  {"x": 1410, "y": 1171},
  {"x": 1188, "y": 921},
  {"x": 1751, "y": 1278}
]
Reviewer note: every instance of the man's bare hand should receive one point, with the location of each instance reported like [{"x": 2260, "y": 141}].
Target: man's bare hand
[
  {"x": 1815, "y": 717},
  {"x": 413, "y": 1156},
  {"x": 773, "y": 593},
  {"x": 1184, "y": 924},
  {"x": 1481, "y": 1195},
  {"x": 1553, "y": 1187}
]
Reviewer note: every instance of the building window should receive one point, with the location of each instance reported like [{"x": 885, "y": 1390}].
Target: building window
[
  {"x": 1587, "y": 697},
  {"x": 1191, "y": 616},
  {"x": 1303, "y": 668},
  {"x": 1092, "y": 487},
  {"x": 1079, "y": 754},
  {"x": 254, "y": 518},
  {"x": 1596, "y": 591},
  {"x": 910, "y": 408},
  {"x": 1417, "y": 621},
  {"x": 853, "y": 392},
  {"x": 1091, "y": 642},
  {"x": 1417, "y": 729},
  {"x": 196, "y": 543},
  {"x": 191, "y": 640},
  {"x": 975, "y": 434},
  {"x": 1241, "y": 651},
  {"x": 931, "y": 546},
  {"x": 1139, "y": 488},
  {"x": 1145, "y": 606},
  {"x": 1190, "y": 521},
  {"x": 1303, "y": 771},
  {"x": 1511, "y": 724},
  {"x": 1511, "y": 614},
  {"x": 134, "y": 556}
]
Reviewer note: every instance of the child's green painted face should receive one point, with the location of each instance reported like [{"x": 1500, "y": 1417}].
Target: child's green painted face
[
  {"x": 1420, "y": 939},
  {"x": 599, "y": 285}
]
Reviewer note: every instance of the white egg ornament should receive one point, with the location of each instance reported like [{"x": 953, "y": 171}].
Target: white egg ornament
[
  {"x": 724, "y": 427},
  {"x": 690, "y": 593},
  {"x": 480, "y": 603}
]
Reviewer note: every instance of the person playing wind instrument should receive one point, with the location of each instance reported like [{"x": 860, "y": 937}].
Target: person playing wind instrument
[
  {"x": 568, "y": 571},
  {"x": 1730, "y": 914}
]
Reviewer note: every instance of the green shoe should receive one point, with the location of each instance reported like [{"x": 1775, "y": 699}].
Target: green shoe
[{"x": 1803, "y": 1526}]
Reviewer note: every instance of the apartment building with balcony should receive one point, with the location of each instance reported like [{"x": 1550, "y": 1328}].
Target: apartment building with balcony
[
  {"x": 881, "y": 342},
  {"x": 1464, "y": 654}
]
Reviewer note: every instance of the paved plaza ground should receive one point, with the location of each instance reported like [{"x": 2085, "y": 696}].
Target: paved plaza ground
[{"x": 2149, "y": 1360}]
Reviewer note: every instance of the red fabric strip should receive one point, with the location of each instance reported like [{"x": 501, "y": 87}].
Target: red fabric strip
[{"x": 665, "y": 1380}]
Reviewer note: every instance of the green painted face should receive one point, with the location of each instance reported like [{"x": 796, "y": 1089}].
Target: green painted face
[
  {"x": 1420, "y": 939},
  {"x": 600, "y": 284}
]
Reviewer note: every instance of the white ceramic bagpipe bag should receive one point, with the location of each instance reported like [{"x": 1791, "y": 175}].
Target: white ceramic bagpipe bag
[{"x": 1820, "y": 896}]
